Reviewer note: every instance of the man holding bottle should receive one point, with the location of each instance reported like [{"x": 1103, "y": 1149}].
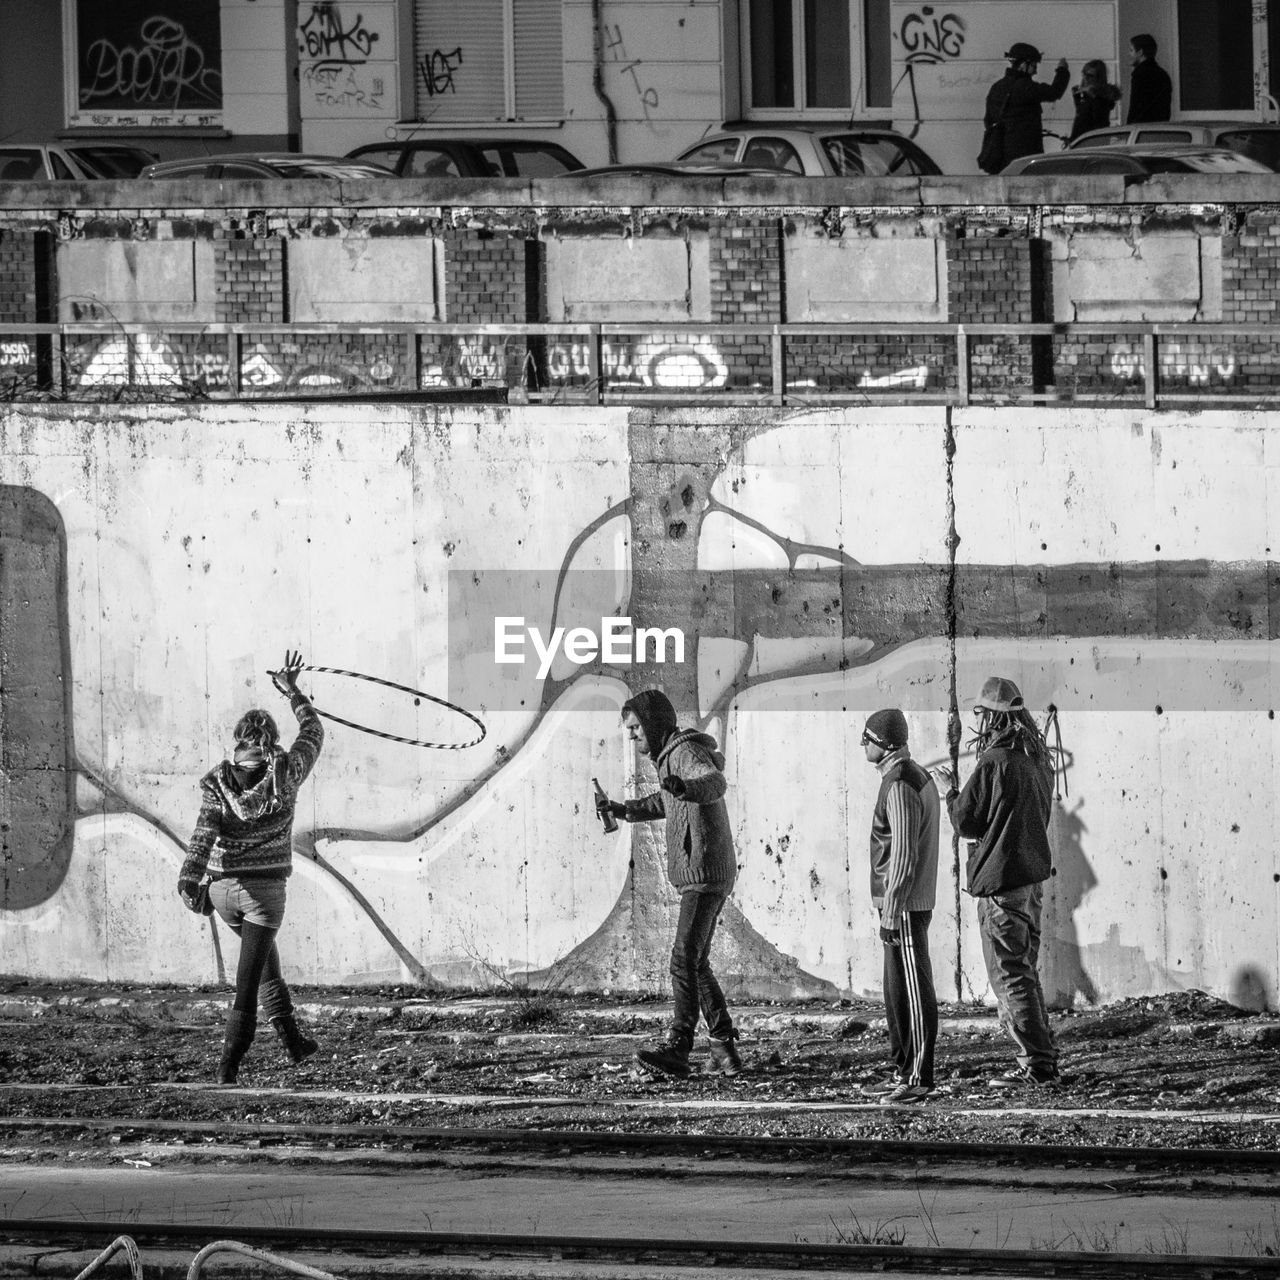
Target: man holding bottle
[{"x": 701, "y": 864}]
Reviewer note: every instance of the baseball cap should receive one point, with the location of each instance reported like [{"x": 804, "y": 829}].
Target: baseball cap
[{"x": 999, "y": 694}]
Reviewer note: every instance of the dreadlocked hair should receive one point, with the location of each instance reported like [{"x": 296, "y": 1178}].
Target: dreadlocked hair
[
  {"x": 257, "y": 728},
  {"x": 1015, "y": 730}
]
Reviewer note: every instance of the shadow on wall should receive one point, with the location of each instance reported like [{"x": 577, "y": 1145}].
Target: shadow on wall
[
  {"x": 1062, "y": 970},
  {"x": 1250, "y": 990}
]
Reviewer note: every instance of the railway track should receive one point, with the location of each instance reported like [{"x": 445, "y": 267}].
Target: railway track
[
  {"x": 496, "y": 1142},
  {"x": 356, "y": 1253}
]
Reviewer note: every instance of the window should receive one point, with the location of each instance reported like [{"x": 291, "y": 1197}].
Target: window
[
  {"x": 1162, "y": 135},
  {"x": 488, "y": 60},
  {"x": 143, "y": 62},
  {"x": 855, "y": 155},
  {"x": 1112, "y": 138},
  {"x": 724, "y": 151},
  {"x": 427, "y": 162},
  {"x": 773, "y": 153},
  {"x": 1215, "y": 62},
  {"x": 815, "y": 55}
]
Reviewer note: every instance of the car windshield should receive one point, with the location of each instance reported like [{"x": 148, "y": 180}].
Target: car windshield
[
  {"x": 112, "y": 162},
  {"x": 721, "y": 151},
  {"x": 1262, "y": 145},
  {"x": 321, "y": 169},
  {"x": 854, "y": 155}
]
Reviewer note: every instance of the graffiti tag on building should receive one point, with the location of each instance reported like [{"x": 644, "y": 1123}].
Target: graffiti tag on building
[
  {"x": 617, "y": 48},
  {"x": 930, "y": 38},
  {"x": 325, "y": 38},
  {"x": 437, "y": 70},
  {"x": 167, "y": 66}
]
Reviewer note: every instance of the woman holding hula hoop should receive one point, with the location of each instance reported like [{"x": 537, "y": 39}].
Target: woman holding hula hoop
[{"x": 243, "y": 849}]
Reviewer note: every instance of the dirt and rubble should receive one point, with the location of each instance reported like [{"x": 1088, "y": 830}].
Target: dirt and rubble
[{"x": 1183, "y": 1070}]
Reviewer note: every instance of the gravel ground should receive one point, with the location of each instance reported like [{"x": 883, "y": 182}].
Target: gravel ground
[{"x": 1184, "y": 1070}]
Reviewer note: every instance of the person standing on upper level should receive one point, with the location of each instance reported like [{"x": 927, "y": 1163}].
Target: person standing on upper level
[
  {"x": 1150, "y": 89},
  {"x": 1013, "y": 104}
]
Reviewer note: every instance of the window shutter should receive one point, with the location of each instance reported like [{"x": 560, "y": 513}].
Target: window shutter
[
  {"x": 539, "y": 51},
  {"x": 458, "y": 57}
]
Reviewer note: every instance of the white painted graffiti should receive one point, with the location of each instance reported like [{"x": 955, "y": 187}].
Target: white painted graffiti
[
  {"x": 676, "y": 362},
  {"x": 1196, "y": 364},
  {"x": 15, "y": 353}
]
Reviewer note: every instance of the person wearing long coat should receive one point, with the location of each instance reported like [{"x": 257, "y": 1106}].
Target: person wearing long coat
[{"x": 1014, "y": 102}]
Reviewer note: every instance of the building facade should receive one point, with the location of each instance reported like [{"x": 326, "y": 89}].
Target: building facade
[{"x": 627, "y": 80}]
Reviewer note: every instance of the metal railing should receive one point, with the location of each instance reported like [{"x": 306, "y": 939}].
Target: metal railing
[
  {"x": 196, "y": 1269},
  {"x": 1151, "y": 364},
  {"x": 121, "y": 1244}
]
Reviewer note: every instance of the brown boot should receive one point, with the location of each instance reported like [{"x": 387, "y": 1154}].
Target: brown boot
[
  {"x": 235, "y": 1044},
  {"x": 296, "y": 1044}
]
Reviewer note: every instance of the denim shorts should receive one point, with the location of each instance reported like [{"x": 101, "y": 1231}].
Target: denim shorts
[{"x": 253, "y": 900}]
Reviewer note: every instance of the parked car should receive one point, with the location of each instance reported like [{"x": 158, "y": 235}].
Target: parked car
[
  {"x": 854, "y": 151},
  {"x": 35, "y": 162},
  {"x": 1134, "y": 161},
  {"x": 264, "y": 164},
  {"x": 470, "y": 158},
  {"x": 1259, "y": 141},
  {"x": 674, "y": 169}
]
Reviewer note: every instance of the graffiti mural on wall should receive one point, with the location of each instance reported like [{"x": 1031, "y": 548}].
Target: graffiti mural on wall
[{"x": 748, "y": 541}]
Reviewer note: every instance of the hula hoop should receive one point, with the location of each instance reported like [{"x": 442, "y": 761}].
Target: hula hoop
[{"x": 404, "y": 688}]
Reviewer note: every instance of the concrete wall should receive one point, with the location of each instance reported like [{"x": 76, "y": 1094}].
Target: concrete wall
[{"x": 158, "y": 560}]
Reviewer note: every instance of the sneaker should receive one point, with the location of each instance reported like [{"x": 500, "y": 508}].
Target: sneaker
[
  {"x": 880, "y": 1088},
  {"x": 1020, "y": 1077},
  {"x": 666, "y": 1059},
  {"x": 908, "y": 1095},
  {"x": 724, "y": 1059}
]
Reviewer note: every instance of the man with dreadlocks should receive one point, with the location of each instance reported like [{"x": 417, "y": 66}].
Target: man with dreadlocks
[{"x": 1004, "y": 812}]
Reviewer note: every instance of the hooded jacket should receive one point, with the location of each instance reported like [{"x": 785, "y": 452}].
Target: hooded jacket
[
  {"x": 245, "y": 827},
  {"x": 700, "y": 854},
  {"x": 1004, "y": 810}
]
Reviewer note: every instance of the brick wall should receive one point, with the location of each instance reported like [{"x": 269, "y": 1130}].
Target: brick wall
[
  {"x": 251, "y": 283},
  {"x": 747, "y": 288},
  {"x": 998, "y": 271},
  {"x": 1000, "y": 279}
]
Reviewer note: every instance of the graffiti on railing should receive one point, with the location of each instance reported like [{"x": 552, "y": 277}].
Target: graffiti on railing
[
  {"x": 15, "y": 353},
  {"x": 1191, "y": 363}
]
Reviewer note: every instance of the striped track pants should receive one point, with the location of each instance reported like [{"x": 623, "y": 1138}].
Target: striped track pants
[{"x": 910, "y": 1003}]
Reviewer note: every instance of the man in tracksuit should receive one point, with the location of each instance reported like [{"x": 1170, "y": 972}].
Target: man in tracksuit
[
  {"x": 701, "y": 864},
  {"x": 904, "y": 877},
  {"x": 1004, "y": 812}
]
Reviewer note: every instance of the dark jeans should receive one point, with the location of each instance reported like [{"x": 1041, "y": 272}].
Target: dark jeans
[
  {"x": 910, "y": 1003},
  {"x": 1010, "y": 927},
  {"x": 692, "y": 982}
]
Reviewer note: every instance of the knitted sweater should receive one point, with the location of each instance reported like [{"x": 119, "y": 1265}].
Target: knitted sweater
[{"x": 245, "y": 827}]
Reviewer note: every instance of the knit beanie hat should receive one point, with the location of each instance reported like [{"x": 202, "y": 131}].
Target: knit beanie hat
[
  {"x": 888, "y": 726},
  {"x": 657, "y": 716}
]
